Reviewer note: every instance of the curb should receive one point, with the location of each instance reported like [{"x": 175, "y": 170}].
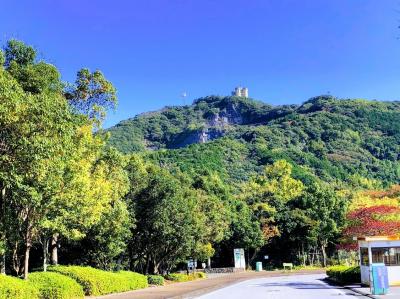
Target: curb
[
  {"x": 331, "y": 281},
  {"x": 361, "y": 293}
]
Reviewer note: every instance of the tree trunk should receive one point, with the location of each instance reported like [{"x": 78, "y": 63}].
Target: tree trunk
[
  {"x": 147, "y": 265},
  {"x": 45, "y": 252},
  {"x": 3, "y": 265},
  {"x": 3, "y": 237},
  {"x": 16, "y": 259},
  {"x": 323, "y": 250},
  {"x": 26, "y": 263},
  {"x": 54, "y": 249},
  {"x": 209, "y": 263}
]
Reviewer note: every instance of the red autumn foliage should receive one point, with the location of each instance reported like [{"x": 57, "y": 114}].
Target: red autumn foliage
[{"x": 368, "y": 221}]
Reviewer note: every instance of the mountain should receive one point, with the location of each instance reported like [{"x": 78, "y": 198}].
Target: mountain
[{"x": 337, "y": 140}]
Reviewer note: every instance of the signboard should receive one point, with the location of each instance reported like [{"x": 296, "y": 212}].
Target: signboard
[
  {"x": 379, "y": 279},
  {"x": 240, "y": 261},
  {"x": 190, "y": 264}
]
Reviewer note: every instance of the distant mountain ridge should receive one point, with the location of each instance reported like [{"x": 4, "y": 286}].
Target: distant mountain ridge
[
  {"x": 212, "y": 116},
  {"x": 334, "y": 138}
]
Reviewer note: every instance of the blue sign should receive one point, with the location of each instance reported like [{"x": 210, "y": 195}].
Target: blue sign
[{"x": 379, "y": 279}]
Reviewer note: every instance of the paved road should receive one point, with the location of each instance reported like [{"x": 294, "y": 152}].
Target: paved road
[
  {"x": 195, "y": 288},
  {"x": 284, "y": 287}
]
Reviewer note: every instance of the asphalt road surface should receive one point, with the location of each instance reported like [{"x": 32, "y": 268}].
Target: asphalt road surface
[{"x": 284, "y": 287}]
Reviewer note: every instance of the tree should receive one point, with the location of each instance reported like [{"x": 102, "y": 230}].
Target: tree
[
  {"x": 327, "y": 208},
  {"x": 92, "y": 94},
  {"x": 36, "y": 137},
  {"x": 372, "y": 213},
  {"x": 56, "y": 177},
  {"x": 268, "y": 192},
  {"x": 20, "y": 53},
  {"x": 166, "y": 223}
]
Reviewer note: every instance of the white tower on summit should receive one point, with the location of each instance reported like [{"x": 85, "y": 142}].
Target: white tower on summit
[{"x": 241, "y": 92}]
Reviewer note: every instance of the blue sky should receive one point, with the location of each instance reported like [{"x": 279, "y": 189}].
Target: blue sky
[{"x": 284, "y": 51}]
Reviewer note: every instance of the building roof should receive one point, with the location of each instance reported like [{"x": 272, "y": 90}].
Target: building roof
[{"x": 377, "y": 238}]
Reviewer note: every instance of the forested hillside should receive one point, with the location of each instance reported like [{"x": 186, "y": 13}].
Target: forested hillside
[{"x": 337, "y": 140}]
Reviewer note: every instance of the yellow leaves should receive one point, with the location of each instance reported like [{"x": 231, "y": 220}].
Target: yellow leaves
[
  {"x": 270, "y": 231},
  {"x": 278, "y": 181}
]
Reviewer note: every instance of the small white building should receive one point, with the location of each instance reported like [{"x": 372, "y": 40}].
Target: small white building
[
  {"x": 380, "y": 249},
  {"x": 241, "y": 92}
]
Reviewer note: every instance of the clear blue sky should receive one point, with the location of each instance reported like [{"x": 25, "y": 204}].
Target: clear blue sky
[{"x": 285, "y": 51}]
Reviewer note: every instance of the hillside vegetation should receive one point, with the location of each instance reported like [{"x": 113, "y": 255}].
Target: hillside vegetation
[{"x": 338, "y": 140}]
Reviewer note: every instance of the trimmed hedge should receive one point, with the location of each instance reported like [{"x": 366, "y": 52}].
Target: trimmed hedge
[
  {"x": 155, "y": 280},
  {"x": 53, "y": 285},
  {"x": 16, "y": 288},
  {"x": 97, "y": 282},
  {"x": 180, "y": 277},
  {"x": 344, "y": 274},
  {"x": 135, "y": 280},
  {"x": 200, "y": 275}
]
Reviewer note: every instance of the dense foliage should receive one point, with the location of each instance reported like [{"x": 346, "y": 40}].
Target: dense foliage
[
  {"x": 97, "y": 282},
  {"x": 56, "y": 286},
  {"x": 12, "y": 287},
  {"x": 373, "y": 213},
  {"x": 155, "y": 280},
  {"x": 337, "y": 140},
  {"x": 344, "y": 274}
]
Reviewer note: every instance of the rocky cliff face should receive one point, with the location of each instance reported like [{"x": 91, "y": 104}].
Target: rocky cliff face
[
  {"x": 206, "y": 119},
  {"x": 228, "y": 116}
]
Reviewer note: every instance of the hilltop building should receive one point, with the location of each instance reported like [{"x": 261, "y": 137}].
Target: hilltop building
[{"x": 241, "y": 92}]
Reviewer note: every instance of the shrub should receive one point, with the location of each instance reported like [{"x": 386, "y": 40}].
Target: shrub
[
  {"x": 178, "y": 277},
  {"x": 97, "y": 282},
  {"x": 16, "y": 288},
  {"x": 155, "y": 280},
  {"x": 200, "y": 275},
  {"x": 135, "y": 280},
  {"x": 53, "y": 285},
  {"x": 344, "y": 274}
]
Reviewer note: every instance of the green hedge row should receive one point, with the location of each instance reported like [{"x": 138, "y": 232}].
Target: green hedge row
[
  {"x": 344, "y": 274},
  {"x": 53, "y": 285},
  {"x": 97, "y": 282},
  {"x": 73, "y": 282},
  {"x": 179, "y": 277},
  {"x": 16, "y": 288},
  {"x": 155, "y": 280}
]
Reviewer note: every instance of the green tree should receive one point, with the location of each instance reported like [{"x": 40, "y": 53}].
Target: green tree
[
  {"x": 327, "y": 208},
  {"x": 164, "y": 207},
  {"x": 36, "y": 137},
  {"x": 92, "y": 94},
  {"x": 20, "y": 53}
]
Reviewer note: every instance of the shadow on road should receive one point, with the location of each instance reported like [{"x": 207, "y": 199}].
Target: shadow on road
[{"x": 297, "y": 285}]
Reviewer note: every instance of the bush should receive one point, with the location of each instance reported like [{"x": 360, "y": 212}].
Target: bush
[
  {"x": 200, "y": 275},
  {"x": 344, "y": 274},
  {"x": 16, "y": 288},
  {"x": 135, "y": 280},
  {"x": 97, "y": 282},
  {"x": 53, "y": 285},
  {"x": 155, "y": 280},
  {"x": 178, "y": 277}
]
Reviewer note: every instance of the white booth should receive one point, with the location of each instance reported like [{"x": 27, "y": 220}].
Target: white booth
[{"x": 380, "y": 249}]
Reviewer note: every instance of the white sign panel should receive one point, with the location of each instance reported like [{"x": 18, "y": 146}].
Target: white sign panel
[{"x": 240, "y": 262}]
